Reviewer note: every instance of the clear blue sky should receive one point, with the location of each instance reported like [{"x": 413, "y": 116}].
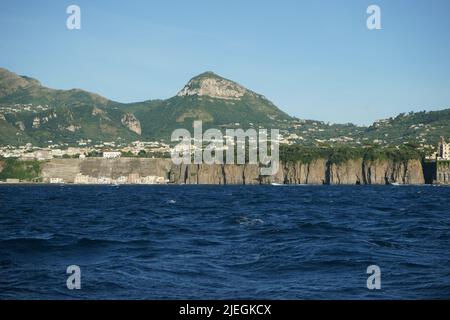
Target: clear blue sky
[{"x": 313, "y": 59}]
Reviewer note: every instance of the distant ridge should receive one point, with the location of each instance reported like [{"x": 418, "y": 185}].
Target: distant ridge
[
  {"x": 70, "y": 115},
  {"x": 32, "y": 113}
]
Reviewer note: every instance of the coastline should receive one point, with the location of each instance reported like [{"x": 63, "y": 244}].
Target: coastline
[
  {"x": 25, "y": 183},
  {"x": 161, "y": 171}
]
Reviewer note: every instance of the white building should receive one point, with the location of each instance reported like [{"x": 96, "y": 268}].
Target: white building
[
  {"x": 112, "y": 154},
  {"x": 57, "y": 153},
  {"x": 56, "y": 180},
  {"x": 72, "y": 151},
  {"x": 43, "y": 155},
  {"x": 40, "y": 155}
]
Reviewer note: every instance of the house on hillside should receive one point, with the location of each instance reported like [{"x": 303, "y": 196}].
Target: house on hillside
[{"x": 112, "y": 154}]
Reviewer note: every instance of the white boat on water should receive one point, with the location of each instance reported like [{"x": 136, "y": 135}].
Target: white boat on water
[{"x": 277, "y": 184}]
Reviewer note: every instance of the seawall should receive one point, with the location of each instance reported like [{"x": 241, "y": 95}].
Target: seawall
[{"x": 70, "y": 169}]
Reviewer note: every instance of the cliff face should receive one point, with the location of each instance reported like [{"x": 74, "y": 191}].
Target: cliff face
[
  {"x": 382, "y": 172},
  {"x": 350, "y": 172},
  {"x": 414, "y": 173},
  {"x": 319, "y": 171},
  {"x": 309, "y": 173},
  {"x": 214, "y": 174}
]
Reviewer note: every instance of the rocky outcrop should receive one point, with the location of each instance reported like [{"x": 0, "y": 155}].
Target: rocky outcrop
[
  {"x": 213, "y": 87},
  {"x": 97, "y": 111},
  {"x": 73, "y": 128},
  {"x": 20, "y": 125},
  {"x": 132, "y": 123}
]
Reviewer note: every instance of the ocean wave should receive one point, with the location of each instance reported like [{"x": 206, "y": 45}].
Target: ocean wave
[{"x": 225, "y": 242}]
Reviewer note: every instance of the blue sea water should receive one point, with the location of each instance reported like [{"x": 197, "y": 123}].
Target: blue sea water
[{"x": 224, "y": 242}]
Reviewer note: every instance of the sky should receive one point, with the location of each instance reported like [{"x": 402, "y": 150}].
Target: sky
[{"x": 314, "y": 59}]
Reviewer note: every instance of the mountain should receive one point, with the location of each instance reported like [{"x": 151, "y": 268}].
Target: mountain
[
  {"x": 217, "y": 101},
  {"x": 30, "y": 112}
]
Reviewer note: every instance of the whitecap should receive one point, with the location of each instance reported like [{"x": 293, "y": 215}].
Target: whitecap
[{"x": 247, "y": 221}]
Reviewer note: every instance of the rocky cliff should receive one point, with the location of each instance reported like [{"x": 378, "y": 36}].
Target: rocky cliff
[
  {"x": 132, "y": 123},
  {"x": 382, "y": 172},
  {"x": 319, "y": 171},
  {"x": 212, "y": 86}
]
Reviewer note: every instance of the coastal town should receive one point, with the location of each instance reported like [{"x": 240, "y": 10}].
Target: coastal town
[
  {"x": 115, "y": 164},
  {"x": 85, "y": 149},
  {"x": 391, "y": 131}
]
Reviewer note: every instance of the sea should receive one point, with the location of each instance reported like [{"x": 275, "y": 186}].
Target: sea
[{"x": 224, "y": 242}]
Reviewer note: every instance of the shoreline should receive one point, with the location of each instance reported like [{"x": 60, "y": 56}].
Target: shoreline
[
  {"x": 161, "y": 171},
  {"x": 218, "y": 185}
]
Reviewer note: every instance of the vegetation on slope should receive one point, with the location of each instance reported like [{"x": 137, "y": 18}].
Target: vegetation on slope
[
  {"x": 67, "y": 116},
  {"x": 23, "y": 170},
  {"x": 341, "y": 154}
]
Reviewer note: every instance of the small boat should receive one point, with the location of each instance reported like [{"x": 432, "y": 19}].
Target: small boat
[
  {"x": 394, "y": 183},
  {"x": 277, "y": 184}
]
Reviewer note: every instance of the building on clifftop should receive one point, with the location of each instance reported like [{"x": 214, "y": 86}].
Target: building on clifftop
[
  {"x": 443, "y": 162},
  {"x": 443, "y": 152}
]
